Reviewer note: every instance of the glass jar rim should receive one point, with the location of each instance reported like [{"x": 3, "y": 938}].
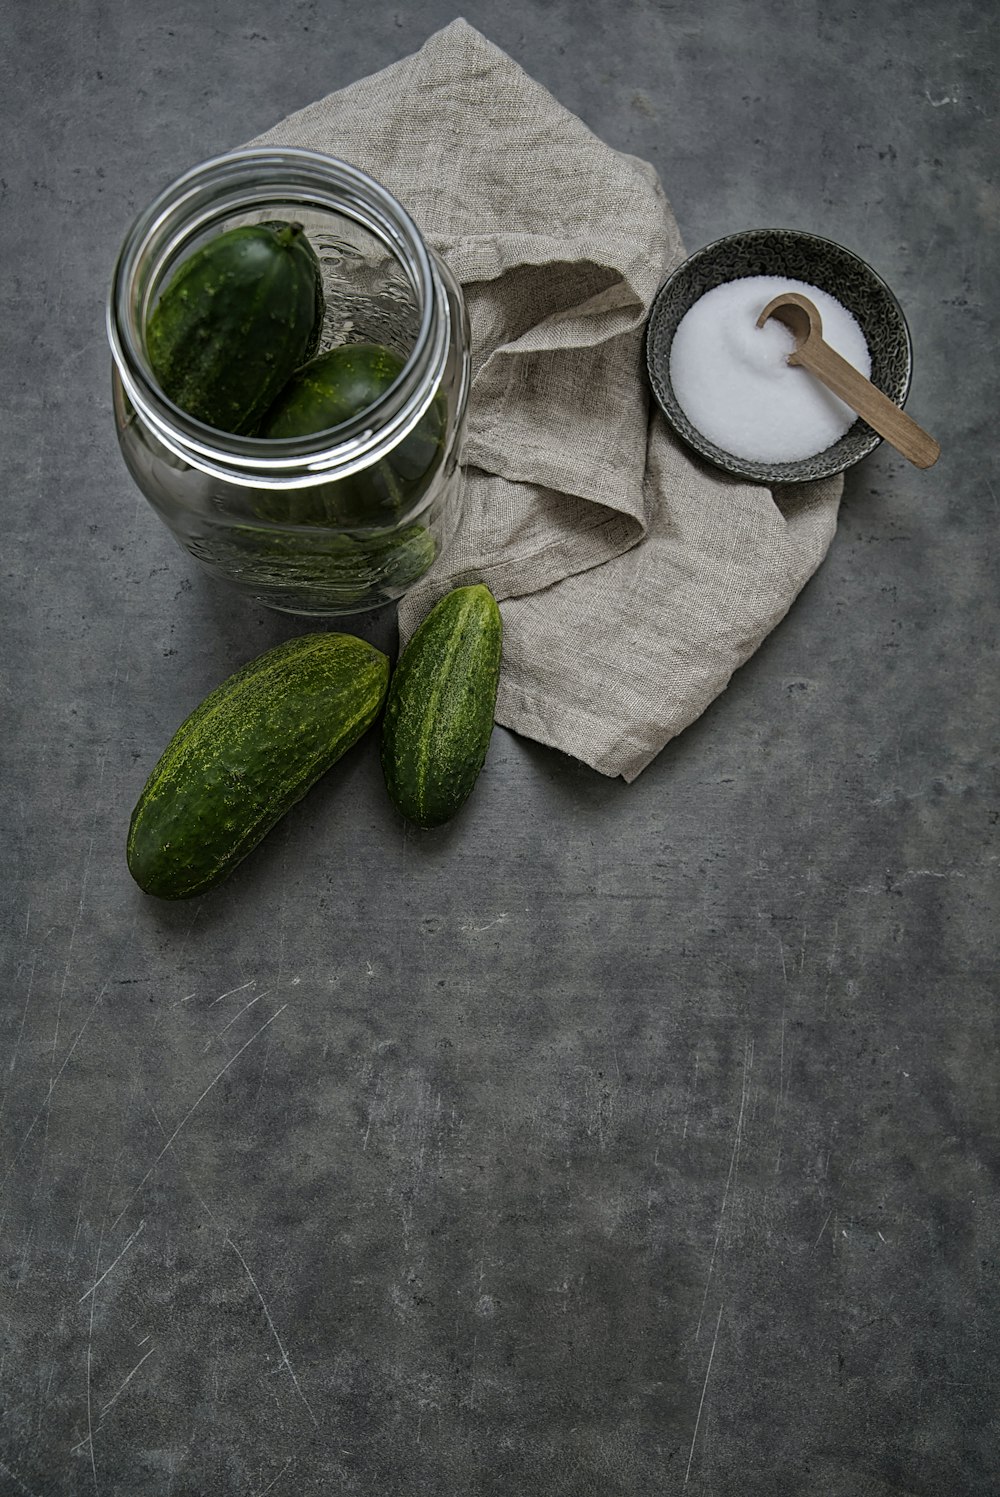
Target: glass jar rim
[{"x": 254, "y": 176}]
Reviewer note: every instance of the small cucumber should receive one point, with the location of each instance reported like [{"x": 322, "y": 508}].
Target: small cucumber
[
  {"x": 329, "y": 390},
  {"x": 252, "y": 749},
  {"x": 241, "y": 314},
  {"x": 332, "y": 388},
  {"x": 439, "y": 712}
]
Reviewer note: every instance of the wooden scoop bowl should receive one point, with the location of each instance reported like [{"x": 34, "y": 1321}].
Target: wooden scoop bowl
[{"x": 800, "y": 315}]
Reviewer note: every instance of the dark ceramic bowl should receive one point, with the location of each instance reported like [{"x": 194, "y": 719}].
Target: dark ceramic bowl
[{"x": 801, "y": 257}]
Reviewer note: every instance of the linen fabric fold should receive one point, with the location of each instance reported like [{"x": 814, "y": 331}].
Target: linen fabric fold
[{"x": 632, "y": 579}]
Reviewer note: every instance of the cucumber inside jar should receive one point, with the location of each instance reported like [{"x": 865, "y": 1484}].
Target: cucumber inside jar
[
  {"x": 333, "y": 388},
  {"x": 235, "y": 321}
]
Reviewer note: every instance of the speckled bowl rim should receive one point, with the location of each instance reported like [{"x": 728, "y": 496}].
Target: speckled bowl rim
[{"x": 855, "y": 444}]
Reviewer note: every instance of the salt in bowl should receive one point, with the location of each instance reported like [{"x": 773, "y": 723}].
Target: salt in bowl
[{"x": 802, "y": 257}]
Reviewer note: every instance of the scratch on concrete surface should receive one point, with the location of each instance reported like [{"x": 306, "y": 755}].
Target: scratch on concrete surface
[
  {"x": 187, "y": 1180},
  {"x": 471, "y": 926},
  {"x": 113, "y": 1265},
  {"x": 25, "y": 1257},
  {"x": 747, "y": 1068},
  {"x": 274, "y": 1332},
  {"x": 79, "y": 1210},
  {"x": 87, "y": 861},
  {"x": 371, "y": 1112},
  {"x": 694, "y": 1089},
  {"x": 236, "y": 1016},
  {"x": 230, "y": 991},
  {"x": 893, "y": 882},
  {"x": 52, "y": 1085},
  {"x": 90, "y": 1327},
  {"x": 747, "y": 1059},
  {"x": 193, "y": 1109},
  {"x": 20, "y": 1033},
  {"x": 704, "y": 1390},
  {"x": 263, "y": 1073},
  {"x": 79, "y": 909},
  {"x": 274, "y": 1481},
  {"x": 614, "y": 1052},
  {"x": 115, "y": 1397},
  {"x": 822, "y": 1229},
  {"x": 831, "y": 961}
]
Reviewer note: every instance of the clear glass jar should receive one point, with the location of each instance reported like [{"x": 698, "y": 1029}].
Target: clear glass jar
[{"x": 285, "y": 521}]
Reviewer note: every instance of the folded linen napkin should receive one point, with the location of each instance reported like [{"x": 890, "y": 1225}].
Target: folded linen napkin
[{"x": 632, "y": 579}]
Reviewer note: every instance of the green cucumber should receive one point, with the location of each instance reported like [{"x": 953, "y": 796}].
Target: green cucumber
[
  {"x": 252, "y": 749},
  {"x": 331, "y": 389},
  {"x": 238, "y": 318},
  {"x": 439, "y": 712}
]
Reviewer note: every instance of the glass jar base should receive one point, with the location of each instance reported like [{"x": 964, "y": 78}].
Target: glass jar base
[{"x": 318, "y": 572}]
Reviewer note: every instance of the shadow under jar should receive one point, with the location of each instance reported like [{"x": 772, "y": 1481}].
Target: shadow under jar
[{"x": 345, "y": 519}]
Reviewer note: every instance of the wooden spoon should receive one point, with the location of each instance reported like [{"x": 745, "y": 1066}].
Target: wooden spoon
[{"x": 798, "y": 313}]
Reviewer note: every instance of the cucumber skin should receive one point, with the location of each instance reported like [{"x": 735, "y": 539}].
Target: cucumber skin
[
  {"x": 332, "y": 388},
  {"x": 439, "y": 711},
  {"x": 328, "y": 390},
  {"x": 246, "y": 754},
  {"x": 235, "y": 322}
]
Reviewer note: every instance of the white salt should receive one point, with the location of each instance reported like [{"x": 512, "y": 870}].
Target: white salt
[{"x": 733, "y": 382}]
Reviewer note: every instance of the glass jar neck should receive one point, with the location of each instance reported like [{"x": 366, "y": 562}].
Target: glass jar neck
[{"x": 249, "y": 180}]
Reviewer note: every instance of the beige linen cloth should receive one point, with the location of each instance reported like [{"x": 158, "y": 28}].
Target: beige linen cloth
[{"x": 632, "y": 579}]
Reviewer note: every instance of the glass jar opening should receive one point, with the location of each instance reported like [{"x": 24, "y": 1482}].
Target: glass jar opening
[{"x": 380, "y": 283}]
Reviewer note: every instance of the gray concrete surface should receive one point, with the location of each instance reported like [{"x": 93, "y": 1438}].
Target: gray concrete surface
[{"x": 616, "y": 1140}]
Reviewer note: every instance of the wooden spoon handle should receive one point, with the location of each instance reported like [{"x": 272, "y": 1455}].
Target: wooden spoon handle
[{"x": 871, "y": 405}]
